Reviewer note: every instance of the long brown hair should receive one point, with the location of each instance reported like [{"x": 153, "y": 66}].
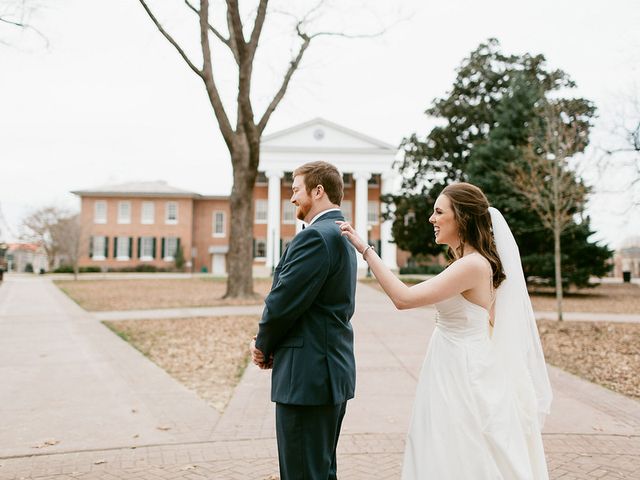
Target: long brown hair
[{"x": 471, "y": 212}]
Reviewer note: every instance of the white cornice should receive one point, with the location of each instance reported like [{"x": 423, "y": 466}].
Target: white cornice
[{"x": 378, "y": 144}]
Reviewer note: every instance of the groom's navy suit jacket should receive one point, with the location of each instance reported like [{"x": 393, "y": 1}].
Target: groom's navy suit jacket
[{"x": 306, "y": 321}]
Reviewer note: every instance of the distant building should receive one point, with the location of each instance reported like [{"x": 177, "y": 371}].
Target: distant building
[
  {"x": 627, "y": 258},
  {"x": 26, "y": 257},
  {"x": 146, "y": 222}
]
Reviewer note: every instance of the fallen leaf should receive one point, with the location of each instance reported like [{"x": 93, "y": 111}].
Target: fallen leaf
[
  {"x": 136, "y": 435},
  {"x": 189, "y": 467},
  {"x": 163, "y": 428},
  {"x": 47, "y": 443},
  {"x": 99, "y": 462},
  {"x": 133, "y": 410}
]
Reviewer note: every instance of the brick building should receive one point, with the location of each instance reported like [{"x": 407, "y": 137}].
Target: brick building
[{"x": 146, "y": 222}]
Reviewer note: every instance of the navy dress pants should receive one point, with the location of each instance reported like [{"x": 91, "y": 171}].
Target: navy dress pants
[{"x": 307, "y": 440}]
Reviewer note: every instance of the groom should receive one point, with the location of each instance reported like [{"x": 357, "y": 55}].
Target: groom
[{"x": 305, "y": 332}]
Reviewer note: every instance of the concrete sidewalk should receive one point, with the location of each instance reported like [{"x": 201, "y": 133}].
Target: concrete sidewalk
[{"x": 70, "y": 379}]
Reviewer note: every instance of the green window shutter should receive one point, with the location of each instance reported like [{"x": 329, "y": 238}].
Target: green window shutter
[
  {"x": 106, "y": 247},
  {"x": 153, "y": 249},
  {"x": 254, "y": 248},
  {"x": 139, "y": 244},
  {"x": 90, "y": 246},
  {"x": 177, "y": 247},
  {"x": 162, "y": 249}
]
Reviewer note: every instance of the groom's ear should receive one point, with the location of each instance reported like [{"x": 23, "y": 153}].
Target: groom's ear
[{"x": 318, "y": 191}]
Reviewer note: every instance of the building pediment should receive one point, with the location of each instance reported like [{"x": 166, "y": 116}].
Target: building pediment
[{"x": 321, "y": 135}]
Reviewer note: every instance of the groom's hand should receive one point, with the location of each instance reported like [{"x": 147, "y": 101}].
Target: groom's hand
[{"x": 258, "y": 357}]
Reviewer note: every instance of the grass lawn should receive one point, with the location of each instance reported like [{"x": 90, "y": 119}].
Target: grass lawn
[
  {"x": 605, "y": 353},
  {"x": 134, "y": 294},
  {"x": 207, "y": 355}
]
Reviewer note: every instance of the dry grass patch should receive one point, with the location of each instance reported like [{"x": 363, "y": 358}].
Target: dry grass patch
[
  {"x": 605, "y": 298},
  {"x": 605, "y": 353},
  {"x": 141, "y": 294},
  {"x": 207, "y": 355}
]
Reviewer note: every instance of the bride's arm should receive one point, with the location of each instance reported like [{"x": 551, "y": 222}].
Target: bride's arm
[{"x": 459, "y": 277}]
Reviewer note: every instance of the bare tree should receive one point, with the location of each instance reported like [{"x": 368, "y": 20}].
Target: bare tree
[
  {"x": 546, "y": 180},
  {"x": 242, "y": 138},
  {"x": 39, "y": 227},
  {"x": 626, "y": 154},
  {"x": 15, "y": 17},
  {"x": 69, "y": 236}
]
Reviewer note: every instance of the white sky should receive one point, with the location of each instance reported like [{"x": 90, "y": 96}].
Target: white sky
[{"x": 111, "y": 101}]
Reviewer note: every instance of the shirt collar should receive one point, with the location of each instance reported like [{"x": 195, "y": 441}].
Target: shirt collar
[{"x": 322, "y": 213}]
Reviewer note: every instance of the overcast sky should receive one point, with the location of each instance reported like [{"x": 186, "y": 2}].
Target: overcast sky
[{"x": 110, "y": 100}]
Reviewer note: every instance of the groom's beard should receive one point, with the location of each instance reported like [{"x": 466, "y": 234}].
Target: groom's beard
[{"x": 302, "y": 211}]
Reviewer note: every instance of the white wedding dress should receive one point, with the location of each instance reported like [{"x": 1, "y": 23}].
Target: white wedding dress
[{"x": 472, "y": 418}]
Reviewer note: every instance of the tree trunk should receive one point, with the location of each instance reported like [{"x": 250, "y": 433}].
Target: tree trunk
[
  {"x": 240, "y": 264},
  {"x": 558, "y": 269}
]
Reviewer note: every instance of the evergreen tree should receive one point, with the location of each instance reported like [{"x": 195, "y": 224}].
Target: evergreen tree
[{"x": 491, "y": 115}]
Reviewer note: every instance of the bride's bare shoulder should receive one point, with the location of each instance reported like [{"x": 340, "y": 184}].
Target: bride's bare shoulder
[{"x": 472, "y": 262}]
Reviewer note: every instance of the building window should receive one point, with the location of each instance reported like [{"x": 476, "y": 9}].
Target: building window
[
  {"x": 346, "y": 210},
  {"x": 261, "y": 179},
  {"x": 170, "y": 248},
  {"x": 347, "y": 179},
  {"x": 171, "y": 213},
  {"x": 147, "y": 248},
  {"x": 123, "y": 248},
  {"x": 148, "y": 213},
  {"x": 373, "y": 212},
  {"x": 100, "y": 212},
  {"x": 374, "y": 181},
  {"x": 288, "y": 212},
  {"x": 124, "y": 212},
  {"x": 287, "y": 179},
  {"x": 218, "y": 224},
  {"x": 98, "y": 248},
  {"x": 261, "y": 211},
  {"x": 259, "y": 248}
]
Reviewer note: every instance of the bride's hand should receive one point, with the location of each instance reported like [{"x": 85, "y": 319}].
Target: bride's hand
[{"x": 347, "y": 231}]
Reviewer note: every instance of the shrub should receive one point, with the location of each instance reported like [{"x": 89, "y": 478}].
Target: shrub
[
  {"x": 422, "y": 269},
  {"x": 69, "y": 269}
]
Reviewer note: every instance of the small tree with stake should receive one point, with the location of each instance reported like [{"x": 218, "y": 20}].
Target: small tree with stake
[{"x": 553, "y": 190}]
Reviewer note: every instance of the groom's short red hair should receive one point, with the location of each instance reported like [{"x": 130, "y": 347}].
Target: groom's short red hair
[{"x": 325, "y": 174}]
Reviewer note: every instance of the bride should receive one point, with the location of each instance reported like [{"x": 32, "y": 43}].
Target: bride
[{"x": 483, "y": 392}]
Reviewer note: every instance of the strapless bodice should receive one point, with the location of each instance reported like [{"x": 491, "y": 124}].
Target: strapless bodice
[{"x": 461, "y": 319}]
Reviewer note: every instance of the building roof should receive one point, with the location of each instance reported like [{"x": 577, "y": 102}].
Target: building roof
[
  {"x": 27, "y": 247},
  {"x": 366, "y": 140},
  {"x": 140, "y": 189}
]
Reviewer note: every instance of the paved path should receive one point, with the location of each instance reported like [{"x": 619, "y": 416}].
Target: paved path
[{"x": 65, "y": 377}]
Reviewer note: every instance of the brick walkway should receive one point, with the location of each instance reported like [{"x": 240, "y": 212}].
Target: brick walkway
[{"x": 118, "y": 416}]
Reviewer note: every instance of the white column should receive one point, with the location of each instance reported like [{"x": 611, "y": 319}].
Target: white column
[
  {"x": 273, "y": 218},
  {"x": 388, "y": 249},
  {"x": 362, "y": 202}
]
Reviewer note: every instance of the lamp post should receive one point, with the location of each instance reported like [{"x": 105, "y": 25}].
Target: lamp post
[
  {"x": 369, "y": 227},
  {"x": 3, "y": 251}
]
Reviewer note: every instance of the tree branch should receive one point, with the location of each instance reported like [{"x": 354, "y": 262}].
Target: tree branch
[
  {"x": 257, "y": 27},
  {"x": 212, "y": 29},
  {"x": 170, "y": 39},
  {"x": 293, "y": 66},
  {"x": 207, "y": 76}
]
